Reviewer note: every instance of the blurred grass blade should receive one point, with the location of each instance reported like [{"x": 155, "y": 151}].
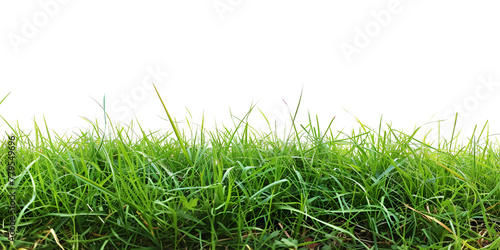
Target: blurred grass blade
[{"x": 5, "y": 97}]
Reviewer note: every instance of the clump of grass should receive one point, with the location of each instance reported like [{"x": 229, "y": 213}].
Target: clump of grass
[{"x": 246, "y": 189}]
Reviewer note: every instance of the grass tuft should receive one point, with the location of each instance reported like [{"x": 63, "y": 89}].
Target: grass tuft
[{"x": 240, "y": 188}]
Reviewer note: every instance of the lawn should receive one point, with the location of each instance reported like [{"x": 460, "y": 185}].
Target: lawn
[{"x": 242, "y": 188}]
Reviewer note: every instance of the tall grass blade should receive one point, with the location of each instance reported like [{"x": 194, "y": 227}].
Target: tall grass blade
[{"x": 176, "y": 131}]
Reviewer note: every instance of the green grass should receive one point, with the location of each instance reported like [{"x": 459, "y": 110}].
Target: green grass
[{"x": 239, "y": 188}]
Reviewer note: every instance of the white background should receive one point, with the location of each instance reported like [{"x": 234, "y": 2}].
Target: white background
[{"x": 414, "y": 62}]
